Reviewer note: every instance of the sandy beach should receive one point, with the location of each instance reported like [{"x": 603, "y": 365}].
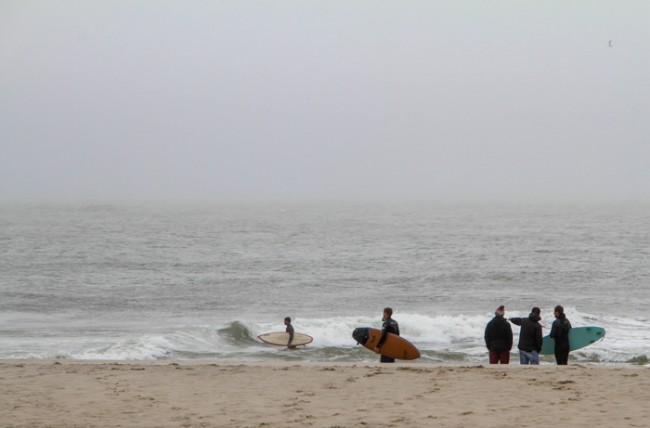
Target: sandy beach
[{"x": 207, "y": 394}]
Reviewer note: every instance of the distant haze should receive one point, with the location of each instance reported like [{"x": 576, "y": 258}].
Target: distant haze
[{"x": 324, "y": 99}]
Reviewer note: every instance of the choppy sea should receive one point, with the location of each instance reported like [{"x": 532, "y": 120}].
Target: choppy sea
[{"x": 200, "y": 281}]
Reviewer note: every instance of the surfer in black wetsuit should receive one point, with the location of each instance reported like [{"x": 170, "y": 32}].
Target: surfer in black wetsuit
[
  {"x": 389, "y": 326},
  {"x": 560, "y": 333},
  {"x": 287, "y": 322}
]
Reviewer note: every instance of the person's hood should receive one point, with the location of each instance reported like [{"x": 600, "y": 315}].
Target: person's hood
[{"x": 534, "y": 317}]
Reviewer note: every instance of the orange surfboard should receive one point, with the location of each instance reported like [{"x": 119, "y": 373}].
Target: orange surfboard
[{"x": 394, "y": 346}]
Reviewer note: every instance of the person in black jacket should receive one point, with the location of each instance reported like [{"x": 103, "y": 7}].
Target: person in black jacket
[
  {"x": 530, "y": 337},
  {"x": 498, "y": 337},
  {"x": 389, "y": 326},
  {"x": 560, "y": 333}
]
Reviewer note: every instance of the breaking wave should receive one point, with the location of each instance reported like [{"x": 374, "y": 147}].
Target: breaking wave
[{"x": 442, "y": 338}]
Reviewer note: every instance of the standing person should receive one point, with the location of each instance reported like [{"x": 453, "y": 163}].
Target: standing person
[
  {"x": 287, "y": 322},
  {"x": 498, "y": 337},
  {"x": 560, "y": 333},
  {"x": 389, "y": 326},
  {"x": 530, "y": 337}
]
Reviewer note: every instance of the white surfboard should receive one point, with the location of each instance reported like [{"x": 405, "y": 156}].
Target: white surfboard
[{"x": 281, "y": 338}]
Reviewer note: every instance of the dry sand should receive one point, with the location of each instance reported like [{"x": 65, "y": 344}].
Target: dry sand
[{"x": 205, "y": 394}]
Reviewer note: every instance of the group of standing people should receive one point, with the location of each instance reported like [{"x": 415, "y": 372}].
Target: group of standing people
[{"x": 498, "y": 337}]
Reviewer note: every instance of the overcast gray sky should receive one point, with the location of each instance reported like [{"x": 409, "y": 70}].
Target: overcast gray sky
[{"x": 324, "y": 99}]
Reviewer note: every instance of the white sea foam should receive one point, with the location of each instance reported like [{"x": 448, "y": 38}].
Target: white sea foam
[{"x": 460, "y": 336}]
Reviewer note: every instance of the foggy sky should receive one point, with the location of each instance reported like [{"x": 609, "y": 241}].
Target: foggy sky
[{"x": 324, "y": 99}]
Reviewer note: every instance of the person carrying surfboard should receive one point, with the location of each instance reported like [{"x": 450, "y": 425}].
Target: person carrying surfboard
[
  {"x": 389, "y": 326},
  {"x": 560, "y": 333},
  {"x": 287, "y": 322}
]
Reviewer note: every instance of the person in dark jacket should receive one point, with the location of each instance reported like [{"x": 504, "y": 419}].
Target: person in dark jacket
[
  {"x": 560, "y": 333},
  {"x": 389, "y": 326},
  {"x": 498, "y": 337},
  {"x": 530, "y": 337}
]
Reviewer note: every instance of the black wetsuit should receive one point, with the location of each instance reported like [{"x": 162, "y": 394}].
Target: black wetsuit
[
  {"x": 290, "y": 331},
  {"x": 390, "y": 326},
  {"x": 560, "y": 333}
]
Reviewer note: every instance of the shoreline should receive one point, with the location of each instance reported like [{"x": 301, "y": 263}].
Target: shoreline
[
  {"x": 192, "y": 393},
  {"x": 514, "y": 362}
]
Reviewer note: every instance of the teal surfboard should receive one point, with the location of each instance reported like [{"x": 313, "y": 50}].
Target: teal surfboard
[{"x": 579, "y": 337}]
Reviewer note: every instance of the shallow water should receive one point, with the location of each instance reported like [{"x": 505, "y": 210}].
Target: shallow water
[{"x": 149, "y": 281}]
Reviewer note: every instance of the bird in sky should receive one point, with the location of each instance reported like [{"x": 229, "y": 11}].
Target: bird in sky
[{"x": 610, "y": 44}]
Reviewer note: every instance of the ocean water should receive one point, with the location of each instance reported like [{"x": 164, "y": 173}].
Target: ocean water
[{"x": 201, "y": 281}]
